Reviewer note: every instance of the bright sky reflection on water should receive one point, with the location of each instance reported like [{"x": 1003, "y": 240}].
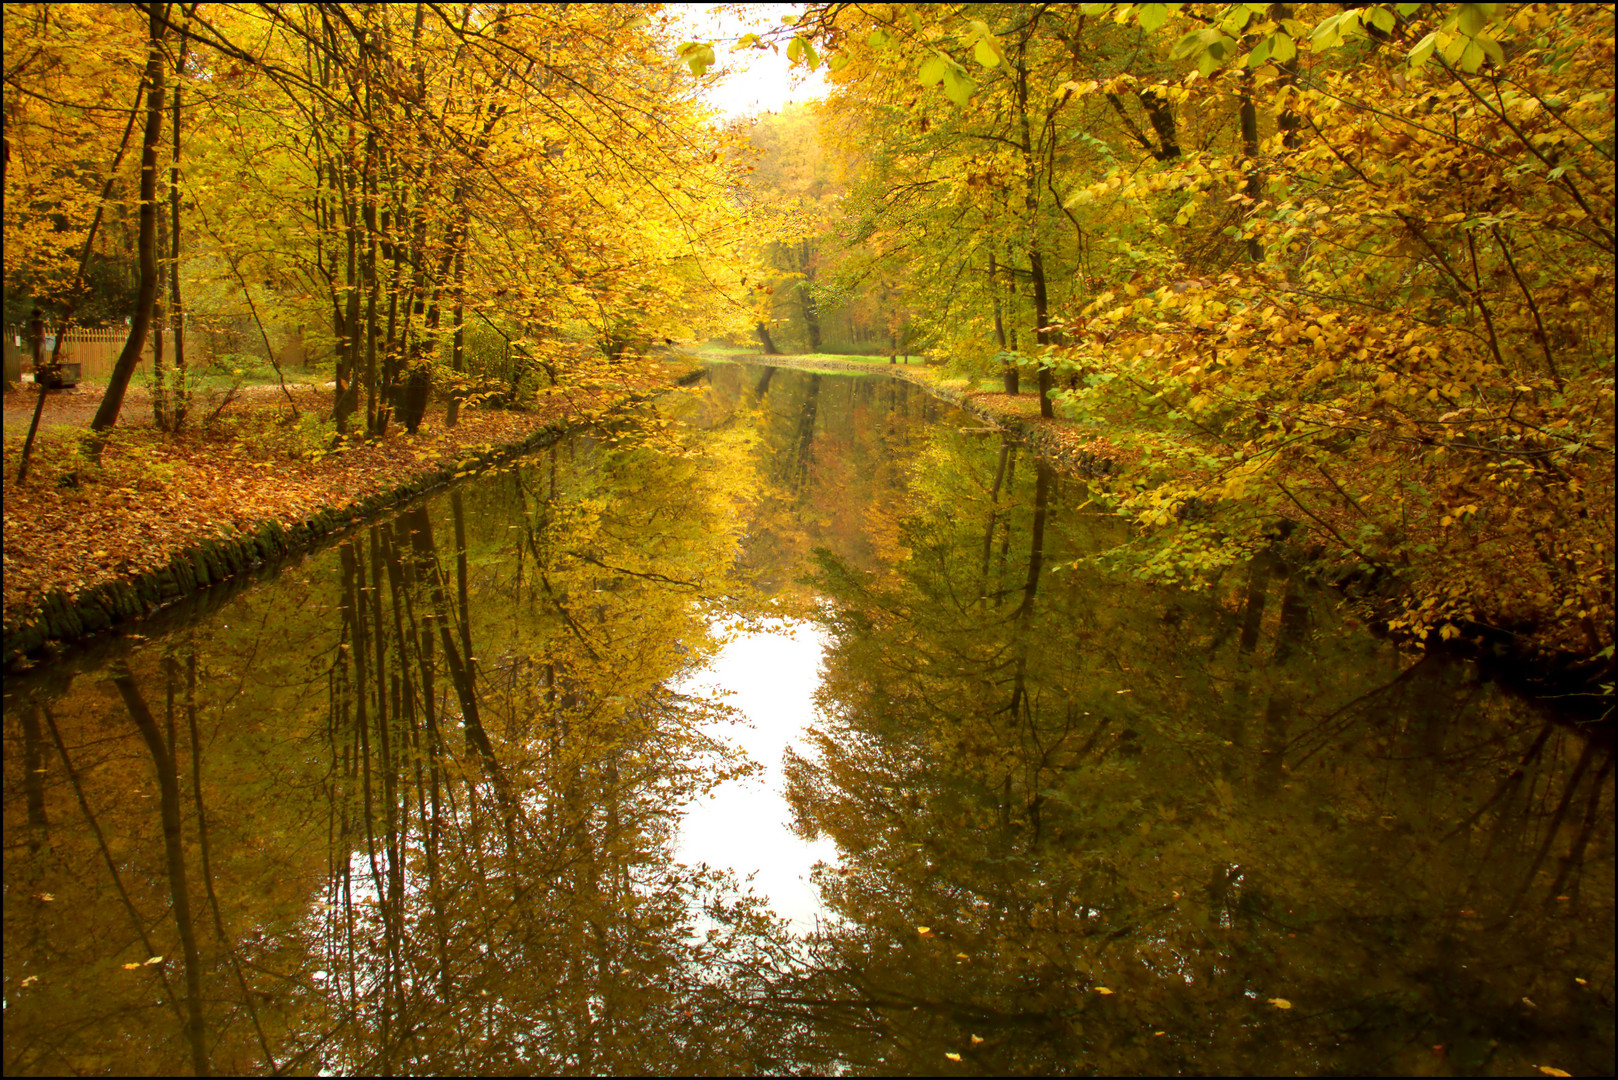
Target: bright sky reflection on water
[{"x": 769, "y": 677}]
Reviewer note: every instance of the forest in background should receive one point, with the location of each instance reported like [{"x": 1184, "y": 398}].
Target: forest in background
[
  {"x": 1337, "y": 276},
  {"x": 464, "y": 200}
]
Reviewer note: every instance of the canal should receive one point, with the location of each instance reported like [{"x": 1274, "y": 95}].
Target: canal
[{"x": 797, "y": 724}]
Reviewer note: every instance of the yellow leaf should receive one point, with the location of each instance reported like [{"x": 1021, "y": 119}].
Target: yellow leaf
[
  {"x": 1103, "y": 990},
  {"x": 153, "y": 960},
  {"x": 925, "y": 931},
  {"x": 1552, "y": 1070},
  {"x": 953, "y": 1057},
  {"x": 976, "y": 1039},
  {"x": 1280, "y": 1003}
]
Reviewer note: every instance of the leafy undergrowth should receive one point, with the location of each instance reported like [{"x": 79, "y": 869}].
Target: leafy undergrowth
[{"x": 75, "y": 525}]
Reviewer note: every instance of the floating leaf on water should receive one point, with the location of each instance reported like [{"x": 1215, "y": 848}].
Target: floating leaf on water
[
  {"x": 131, "y": 967},
  {"x": 31, "y": 980},
  {"x": 976, "y": 1039},
  {"x": 1280, "y": 1003},
  {"x": 953, "y": 1057},
  {"x": 1552, "y": 1070},
  {"x": 1103, "y": 990},
  {"x": 925, "y": 931},
  {"x": 152, "y": 960}
]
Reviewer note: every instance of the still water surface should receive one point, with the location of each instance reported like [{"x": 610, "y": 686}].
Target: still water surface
[{"x": 796, "y": 726}]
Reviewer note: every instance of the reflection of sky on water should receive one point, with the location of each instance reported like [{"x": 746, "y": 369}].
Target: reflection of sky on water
[{"x": 769, "y": 677}]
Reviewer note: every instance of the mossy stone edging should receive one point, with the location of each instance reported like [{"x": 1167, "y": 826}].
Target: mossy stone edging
[{"x": 63, "y": 617}]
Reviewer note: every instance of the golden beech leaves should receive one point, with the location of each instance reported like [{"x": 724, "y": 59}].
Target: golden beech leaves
[{"x": 1300, "y": 306}]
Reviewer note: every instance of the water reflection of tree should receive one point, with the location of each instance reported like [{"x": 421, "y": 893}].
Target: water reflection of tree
[
  {"x": 557, "y": 924},
  {"x": 828, "y": 464},
  {"x": 1063, "y": 791},
  {"x": 472, "y": 773}
]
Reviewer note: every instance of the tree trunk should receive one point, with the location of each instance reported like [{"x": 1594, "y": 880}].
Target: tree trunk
[
  {"x": 118, "y": 383},
  {"x": 1012, "y": 381},
  {"x": 168, "y": 786},
  {"x": 1254, "y": 187},
  {"x": 1042, "y": 333},
  {"x": 1161, "y": 113},
  {"x": 1008, "y": 369},
  {"x": 811, "y": 310},
  {"x": 36, "y": 345},
  {"x": 764, "y": 338},
  {"x": 160, "y": 412},
  {"x": 457, "y": 350},
  {"x": 178, "y": 395},
  {"x": 1036, "y": 260}
]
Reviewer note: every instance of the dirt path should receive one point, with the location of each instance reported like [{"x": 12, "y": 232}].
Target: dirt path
[{"x": 76, "y": 406}]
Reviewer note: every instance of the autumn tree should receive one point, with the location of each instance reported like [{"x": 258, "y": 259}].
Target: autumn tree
[{"x": 1312, "y": 304}]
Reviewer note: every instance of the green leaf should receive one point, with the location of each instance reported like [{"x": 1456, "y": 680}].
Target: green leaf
[
  {"x": 1423, "y": 50},
  {"x": 1261, "y": 52},
  {"x": 1471, "y": 57},
  {"x": 1194, "y": 42},
  {"x": 1492, "y": 49},
  {"x": 957, "y": 87},
  {"x": 985, "y": 52},
  {"x": 810, "y": 55},
  {"x": 1453, "y": 48},
  {"x": 932, "y": 70},
  {"x": 794, "y": 50},
  {"x": 879, "y": 39},
  {"x": 700, "y": 58},
  {"x": 1284, "y": 48},
  {"x": 1327, "y": 33},
  {"x": 1472, "y": 18},
  {"x": 1383, "y": 20},
  {"x": 837, "y": 62},
  {"x": 1406, "y": 10},
  {"x": 1152, "y": 16}
]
